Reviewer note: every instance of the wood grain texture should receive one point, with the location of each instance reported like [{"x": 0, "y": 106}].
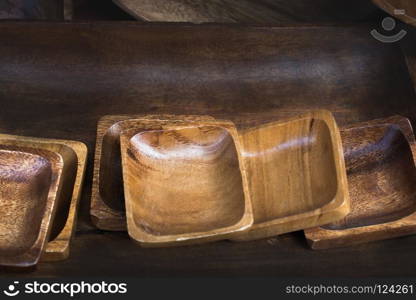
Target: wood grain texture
[
  {"x": 280, "y": 68},
  {"x": 76, "y": 73},
  {"x": 184, "y": 183},
  {"x": 392, "y": 6},
  {"x": 248, "y": 11},
  {"x": 380, "y": 159},
  {"x": 296, "y": 174},
  {"x": 73, "y": 155},
  {"x": 107, "y": 200},
  {"x": 30, "y": 181}
]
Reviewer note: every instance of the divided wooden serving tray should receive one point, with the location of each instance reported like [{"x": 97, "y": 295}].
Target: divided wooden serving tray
[
  {"x": 154, "y": 153},
  {"x": 380, "y": 159},
  {"x": 40, "y": 187}
]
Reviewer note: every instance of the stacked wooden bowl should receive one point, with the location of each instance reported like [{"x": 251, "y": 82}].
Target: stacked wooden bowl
[{"x": 40, "y": 187}]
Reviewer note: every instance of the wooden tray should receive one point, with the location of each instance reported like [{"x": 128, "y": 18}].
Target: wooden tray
[
  {"x": 296, "y": 174},
  {"x": 107, "y": 202},
  {"x": 60, "y": 227},
  {"x": 184, "y": 183},
  {"x": 380, "y": 159}
]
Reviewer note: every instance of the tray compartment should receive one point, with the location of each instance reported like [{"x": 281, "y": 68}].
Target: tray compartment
[
  {"x": 296, "y": 174},
  {"x": 184, "y": 184}
]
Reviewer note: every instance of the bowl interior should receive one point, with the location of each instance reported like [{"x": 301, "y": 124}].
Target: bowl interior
[
  {"x": 291, "y": 168},
  {"x": 381, "y": 176},
  {"x": 111, "y": 179},
  {"x": 110, "y": 188},
  {"x": 69, "y": 173},
  {"x": 185, "y": 180},
  {"x": 25, "y": 181}
]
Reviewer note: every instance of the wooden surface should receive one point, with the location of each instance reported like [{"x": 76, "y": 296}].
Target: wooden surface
[
  {"x": 74, "y": 74},
  {"x": 296, "y": 175},
  {"x": 380, "y": 159},
  {"x": 286, "y": 255},
  {"x": 107, "y": 199},
  {"x": 31, "y": 181},
  {"x": 394, "y": 7},
  {"x": 184, "y": 183},
  {"x": 249, "y": 11}
]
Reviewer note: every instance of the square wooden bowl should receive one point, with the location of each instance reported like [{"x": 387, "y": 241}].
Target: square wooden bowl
[
  {"x": 380, "y": 159},
  {"x": 32, "y": 165},
  {"x": 296, "y": 174},
  {"x": 107, "y": 200},
  {"x": 184, "y": 183}
]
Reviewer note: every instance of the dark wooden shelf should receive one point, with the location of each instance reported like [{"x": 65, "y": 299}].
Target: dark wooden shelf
[{"x": 114, "y": 254}]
